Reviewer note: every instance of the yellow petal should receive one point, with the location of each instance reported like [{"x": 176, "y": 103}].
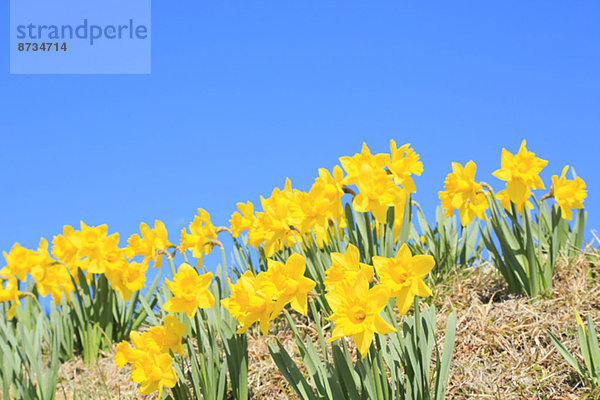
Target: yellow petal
[
  {"x": 404, "y": 299},
  {"x": 421, "y": 289},
  {"x": 423, "y": 264},
  {"x": 517, "y": 191},
  {"x": 382, "y": 327},
  {"x": 363, "y": 341}
]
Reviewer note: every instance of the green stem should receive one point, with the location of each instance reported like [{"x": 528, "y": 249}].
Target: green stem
[
  {"x": 171, "y": 265},
  {"x": 224, "y": 283}
]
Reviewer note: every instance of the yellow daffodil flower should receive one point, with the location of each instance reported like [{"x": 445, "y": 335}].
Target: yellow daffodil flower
[
  {"x": 190, "y": 291},
  {"x": 287, "y": 284},
  {"x": 244, "y": 219},
  {"x": 248, "y": 303},
  {"x": 44, "y": 261},
  {"x": 568, "y": 193},
  {"x": 10, "y": 292},
  {"x": 356, "y": 312},
  {"x": 152, "y": 363},
  {"x": 321, "y": 207},
  {"x": 346, "y": 267},
  {"x": 57, "y": 281},
  {"x": 281, "y": 219},
  {"x": 125, "y": 354},
  {"x": 19, "y": 262},
  {"x": 202, "y": 236},
  {"x": 90, "y": 240},
  {"x": 464, "y": 193},
  {"x": 168, "y": 336},
  {"x": 352, "y": 165},
  {"x": 377, "y": 192},
  {"x": 149, "y": 244},
  {"x": 403, "y": 275},
  {"x": 153, "y": 373},
  {"x": 257, "y": 234},
  {"x": 128, "y": 278},
  {"x": 64, "y": 248},
  {"x": 404, "y": 163},
  {"x": 521, "y": 173}
]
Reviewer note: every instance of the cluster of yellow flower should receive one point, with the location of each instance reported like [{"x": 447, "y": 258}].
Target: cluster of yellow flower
[
  {"x": 383, "y": 180},
  {"x": 51, "y": 277},
  {"x": 152, "y": 362},
  {"x": 89, "y": 249},
  {"x": 202, "y": 237},
  {"x": 357, "y": 305},
  {"x": 290, "y": 213},
  {"x": 521, "y": 173},
  {"x": 261, "y": 298}
]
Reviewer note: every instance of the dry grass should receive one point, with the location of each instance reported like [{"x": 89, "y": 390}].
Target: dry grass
[
  {"x": 502, "y": 347},
  {"x": 100, "y": 381}
]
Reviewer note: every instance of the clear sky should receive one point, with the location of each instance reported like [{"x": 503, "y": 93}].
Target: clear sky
[{"x": 244, "y": 94}]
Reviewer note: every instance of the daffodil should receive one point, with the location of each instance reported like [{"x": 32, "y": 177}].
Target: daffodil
[
  {"x": 202, "y": 236},
  {"x": 352, "y": 165},
  {"x": 404, "y": 163},
  {"x": 111, "y": 256},
  {"x": 248, "y": 303},
  {"x": 64, "y": 247},
  {"x": 151, "y": 368},
  {"x": 128, "y": 278},
  {"x": 257, "y": 234},
  {"x": 521, "y": 173},
  {"x": 281, "y": 219},
  {"x": 57, "y": 281},
  {"x": 462, "y": 192},
  {"x": 321, "y": 208},
  {"x": 356, "y": 312},
  {"x": 568, "y": 193},
  {"x": 125, "y": 354},
  {"x": 377, "y": 192},
  {"x": 244, "y": 219},
  {"x": 96, "y": 250},
  {"x": 190, "y": 291},
  {"x": 168, "y": 336},
  {"x": 19, "y": 262},
  {"x": 403, "y": 275},
  {"x": 51, "y": 276},
  {"x": 152, "y": 364},
  {"x": 287, "y": 284},
  {"x": 90, "y": 240},
  {"x": 150, "y": 243},
  {"x": 44, "y": 261},
  {"x": 331, "y": 186},
  {"x": 346, "y": 267},
  {"x": 154, "y": 372},
  {"x": 10, "y": 292}
]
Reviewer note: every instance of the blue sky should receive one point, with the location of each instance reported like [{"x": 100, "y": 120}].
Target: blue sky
[{"x": 244, "y": 94}]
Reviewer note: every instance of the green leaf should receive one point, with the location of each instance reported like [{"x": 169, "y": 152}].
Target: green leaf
[
  {"x": 567, "y": 355},
  {"x": 291, "y": 372},
  {"x": 441, "y": 381}
]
